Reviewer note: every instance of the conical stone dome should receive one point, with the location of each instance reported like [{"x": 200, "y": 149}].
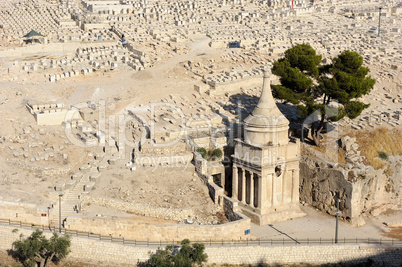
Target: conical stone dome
[{"x": 266, "y": 125}]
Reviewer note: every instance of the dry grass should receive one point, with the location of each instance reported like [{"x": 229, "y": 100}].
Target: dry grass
[
  {"x": 341, "y": 155},
  {"x": 379, "y": 140}
]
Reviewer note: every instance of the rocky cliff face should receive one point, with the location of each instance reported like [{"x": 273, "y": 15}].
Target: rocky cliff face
[{"x": 362, "y": 190}]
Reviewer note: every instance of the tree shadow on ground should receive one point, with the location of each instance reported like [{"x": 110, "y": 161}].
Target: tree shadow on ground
[
  {"x": 14, "y": 254},
  {"x": 243, "y": 104}
]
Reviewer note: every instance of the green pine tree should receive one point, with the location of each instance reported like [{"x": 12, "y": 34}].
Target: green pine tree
[{"x": 304, "y": 81}]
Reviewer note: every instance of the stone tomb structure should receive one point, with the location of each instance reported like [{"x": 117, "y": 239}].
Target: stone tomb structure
[
  {"x": 266, "y": 164},
  {"x": 48, "y": 114}
]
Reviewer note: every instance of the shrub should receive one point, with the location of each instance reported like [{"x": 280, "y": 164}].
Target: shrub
[
  {"x": 203, "y": 152},
  {"x": 217, "y": 153},
  {"x": 214, "y": 154},
  {"x": 383, "y": 155}
]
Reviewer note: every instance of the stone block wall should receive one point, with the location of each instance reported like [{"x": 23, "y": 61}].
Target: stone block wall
[
  {"x": 230, "y": 207},
  {"x": 201, "y": 164},
  {"x": 214, "y": 191},
  {"x": 51, "y": 118},
  {"x": 151, "y": 149},
  {"x": 313, "y": 254},
  {"x": 178, "y": 160},
  {"x": 84, "y": 249},
  {"x": 220, "y": 89},
  {"x": 133, "y": 229},
  {"x": 24, "y": 212}
]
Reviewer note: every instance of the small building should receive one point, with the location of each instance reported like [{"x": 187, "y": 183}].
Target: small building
[
  {"x": 265, "y": 177},
  {"x": 48, "y": 114}
]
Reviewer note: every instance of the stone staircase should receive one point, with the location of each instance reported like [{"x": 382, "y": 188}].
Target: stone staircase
[
  {"x": 70, "y": 200},
  {"x": 80, "y": 183}
]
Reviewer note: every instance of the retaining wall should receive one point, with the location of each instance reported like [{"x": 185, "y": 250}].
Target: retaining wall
[
  {"x": 84, "y": 249},
  {"x": 140, "y": 230},
  {"x": 24, "y": 212}
]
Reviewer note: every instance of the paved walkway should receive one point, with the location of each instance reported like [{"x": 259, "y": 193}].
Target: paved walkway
[{"x": 318, "y": 225}]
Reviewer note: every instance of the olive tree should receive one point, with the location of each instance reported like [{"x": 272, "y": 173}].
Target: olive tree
[
  {"x": 38, "y": 250},
  {"x": 185, "y": 257}
]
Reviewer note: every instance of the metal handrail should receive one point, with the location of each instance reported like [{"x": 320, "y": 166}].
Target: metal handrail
[{"x": 233, "y": 242}]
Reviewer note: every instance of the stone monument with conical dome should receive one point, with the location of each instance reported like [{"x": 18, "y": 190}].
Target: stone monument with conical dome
[{"x": 265, "y": 178}]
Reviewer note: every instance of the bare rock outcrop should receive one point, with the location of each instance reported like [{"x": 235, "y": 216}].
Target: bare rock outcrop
[{"x": 363, "y": 191}]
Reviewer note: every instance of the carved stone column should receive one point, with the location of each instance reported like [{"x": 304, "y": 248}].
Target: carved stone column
[
  {"x": 259, "y": 191},
  {"x": 243, "y": 186},
  {"x": 235, "y": 181},
  {"x": 252, "y": 189}
]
